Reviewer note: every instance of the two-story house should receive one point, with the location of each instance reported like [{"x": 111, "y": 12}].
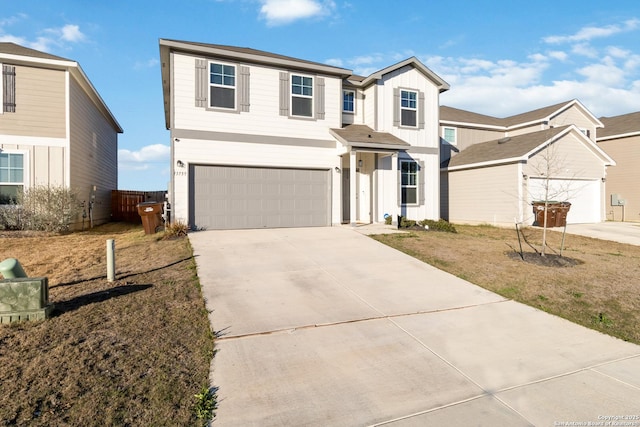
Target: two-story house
[
  {"x": 494, "y": 168},
  {"x": 620, "y": 138},
  {"x": 55, "y": 130},
  {"x": 264, "y": 140}
]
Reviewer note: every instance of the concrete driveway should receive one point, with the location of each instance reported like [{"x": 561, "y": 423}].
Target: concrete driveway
[
  {"x": 327, "y": 327},
  {"x": 623, "y": 232}
]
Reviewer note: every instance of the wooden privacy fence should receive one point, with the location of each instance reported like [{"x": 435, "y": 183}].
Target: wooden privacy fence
[{"x": 124, "y": 203}]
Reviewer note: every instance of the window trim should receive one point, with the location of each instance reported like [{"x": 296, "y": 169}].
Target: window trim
[
  {"x": 344, "y": 92},
  {"x": 25, "y": 168},
  {"x": 405, "y": 186},
  {"x": 416, "y": 109},
  {"x": 312, "y": 97},
  {"x": 455, "y": 134},
  {"x": 236, "y": 69}
]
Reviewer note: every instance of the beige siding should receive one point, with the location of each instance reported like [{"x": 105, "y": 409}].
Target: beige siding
[
  {"x": 623, "y": 179},
  {"x": 93, "y": 153},
  {"x": 575, "y": 116},
  {"x": 264, "y": 110},
  {"x": 567, "y": 158},
  {"x": 465, "y": 137},
  {"x": 527, "y": 129},
  {"x": 44, "y": 164},
  {"x": 40, "y": 104},
  {"x": 485, "y": 195}
]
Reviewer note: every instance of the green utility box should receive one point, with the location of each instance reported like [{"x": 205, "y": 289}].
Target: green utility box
[{"x": 24, "y": 299}]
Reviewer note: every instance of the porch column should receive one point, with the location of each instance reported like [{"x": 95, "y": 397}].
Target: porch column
[
  {"x": 394, "y": 190},
  {"x": 353, "y": 195}
]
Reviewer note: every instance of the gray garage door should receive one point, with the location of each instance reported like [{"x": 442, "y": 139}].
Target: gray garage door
[{"x": 227, "y": 197}]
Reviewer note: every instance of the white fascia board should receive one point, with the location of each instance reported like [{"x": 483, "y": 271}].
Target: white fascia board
[
  {"x": 261, "y": 59},
  {"x": 485, "y": 164},
  {"x": 21, "y": 59},
  {"x": 472, "y": 125},
  {"x": 622, "y": 135}
]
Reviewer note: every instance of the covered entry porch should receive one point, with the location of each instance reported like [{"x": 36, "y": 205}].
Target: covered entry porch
[{"x": 369, "y": 174}]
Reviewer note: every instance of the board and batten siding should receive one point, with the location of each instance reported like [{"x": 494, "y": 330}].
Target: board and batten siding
[
  {"x": 485, "y": 195},
  {"x": 40, "y": 104},
  {"x": 264, "y": 109},
  {"x": 228, "y": 153},
  {"x": 407, "y": 77},
  {"x": 566, "y": 158},
  {"x": 93, "y": 153},
  {"x": 623, "y": 178}
]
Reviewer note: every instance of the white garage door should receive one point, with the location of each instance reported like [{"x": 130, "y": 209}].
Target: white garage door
[
  {"x": 584, "y": 196},
  {"x": 228, "y": 197}
]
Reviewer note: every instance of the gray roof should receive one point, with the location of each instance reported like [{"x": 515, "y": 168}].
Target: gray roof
[
  {"x": 361, "y": 135},
  {"x": 462, "y": 116},
  {"x": 620, "y": 125},
  {"x": 15, "y": 49},
  {"x": 504, "y": 148}
]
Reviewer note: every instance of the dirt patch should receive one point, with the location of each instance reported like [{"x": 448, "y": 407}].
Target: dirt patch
[
  {"x": 595, "y": 283},
  {"x": 129, "y": 352}
]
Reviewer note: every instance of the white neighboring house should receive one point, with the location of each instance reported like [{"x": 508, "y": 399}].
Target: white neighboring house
[
  {"x": 264, "y": 140},
  {"x": 55, "y": 129}
]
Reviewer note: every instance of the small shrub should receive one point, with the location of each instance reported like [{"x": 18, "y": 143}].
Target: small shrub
[
  {"x": 175, "y": 229},
  {"x": 439, "y": 225},
  {"x": 406, "y": 223},
  {"x": 388, "y": 220},
  {"x": 41, "y": 208},
  {"x": 206, "y": 405}
]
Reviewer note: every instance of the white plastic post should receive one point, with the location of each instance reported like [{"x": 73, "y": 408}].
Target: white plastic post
[{"x": 111, "y": 260}]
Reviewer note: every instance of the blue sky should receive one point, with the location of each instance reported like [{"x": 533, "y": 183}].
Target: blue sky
[{"x": 500, "y": 57}]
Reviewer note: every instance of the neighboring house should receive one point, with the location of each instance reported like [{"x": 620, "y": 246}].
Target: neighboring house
[
  {"x": 620, "y": 138},
  {"x": 265, "y": 140},
  {"x": 492, "y": 168},
  {"x": 55, "y": 129}
]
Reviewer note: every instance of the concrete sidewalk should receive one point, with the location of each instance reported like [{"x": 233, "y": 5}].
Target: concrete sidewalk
[{"x": 327, "y": 327}]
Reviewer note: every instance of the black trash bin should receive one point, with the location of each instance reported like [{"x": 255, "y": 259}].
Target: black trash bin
[{"x": 151, "y": 214}]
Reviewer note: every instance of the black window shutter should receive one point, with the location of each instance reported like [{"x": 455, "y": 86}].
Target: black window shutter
[{"x": 8, "y": 89}]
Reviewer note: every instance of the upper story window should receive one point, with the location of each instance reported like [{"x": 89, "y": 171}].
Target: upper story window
[
  {"x": 586, "y": 132},
  {"x": 408, "y": 108},
  {"x": 349, "y": 101},
  {"x": 409, "y": 184},
  {"x": 449, "y": 135},
  {"x": 301, "y": 96},
  {"x": 8, "y": 89},
  {"x": 11, "y": 177},
  {"x": 222, "y": 86}
]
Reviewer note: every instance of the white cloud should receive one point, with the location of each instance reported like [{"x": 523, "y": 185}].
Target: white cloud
[
  {"x": 281, "y": 12},
  {"x": 149, "y": 63},
  {"x": 558, "y": 54},
  {"x": 335, "y": 62},
  {"x": 584, "y": 49},
  {"x": 50, "y": 38},
  {"x": 589, "y": 33},
  {"x": 71, "y": 33},
  {"x": 144, "y": 157}
]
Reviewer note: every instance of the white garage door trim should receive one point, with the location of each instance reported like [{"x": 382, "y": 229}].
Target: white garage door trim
[
  {"x": 239, "y": 197},
  {"x": 584, "y": 196}
]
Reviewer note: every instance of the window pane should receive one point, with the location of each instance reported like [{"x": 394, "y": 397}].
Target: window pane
[
  {"x": 307, "y": 81},
  {"x": 229, "y": 70},
  {"x": 216, "y": 79},
  {"x": 4, "y": 175},
  {"x": 296, "y": 80},
  {"x": 222, "y": 97},
  {"x": 216, "y": 68},
  {"x": 301, "y": 107},
  {"x": 9, "y": 193},
  {"x": 296, "y": 90},
  {"x": 15, "y": 175},
  {"x": 307, "y": 91},
  {"x": 450, "y": 135},
  {"x": 229, "y": 81},
  {"x": 409, "y": 195},
  {"x": 4, "y": 160},
  {"x": 408, "y": 118}
]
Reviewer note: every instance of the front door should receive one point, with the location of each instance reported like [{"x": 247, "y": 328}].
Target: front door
[{"x": 363, "y": 187}]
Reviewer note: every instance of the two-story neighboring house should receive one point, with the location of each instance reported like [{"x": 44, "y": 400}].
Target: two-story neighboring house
[
  {"x": 494, "y": 168},
  {"x": 620, "y": 138},
  {"x": 55, "y": 129},
  {"x": 265, "y": 140}
]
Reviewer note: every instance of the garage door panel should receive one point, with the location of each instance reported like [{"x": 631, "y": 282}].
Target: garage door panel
[
  {"x": 226, "y": 197},
  {"x": 584, "y": 196}
]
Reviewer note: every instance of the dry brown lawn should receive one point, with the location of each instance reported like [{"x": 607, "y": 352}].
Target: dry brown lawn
[
  {"x": 597, "y": 284},
  {"x": 131, "y": 352}
]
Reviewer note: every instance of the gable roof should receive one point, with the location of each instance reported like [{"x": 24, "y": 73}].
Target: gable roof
[
  {"x": 620, "y": 126},
  {"x": 365, "y": 137},
  {"x": 15, "y": 54},
  {"x": 517, "y": 148},
  {"x": 415, "y": 63},
  {"x": 451, "y": 115}
]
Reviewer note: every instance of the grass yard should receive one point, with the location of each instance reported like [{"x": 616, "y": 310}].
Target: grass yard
[
  {"x": 131, "y": 352},
  {"x": 598, "y": 286}
]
